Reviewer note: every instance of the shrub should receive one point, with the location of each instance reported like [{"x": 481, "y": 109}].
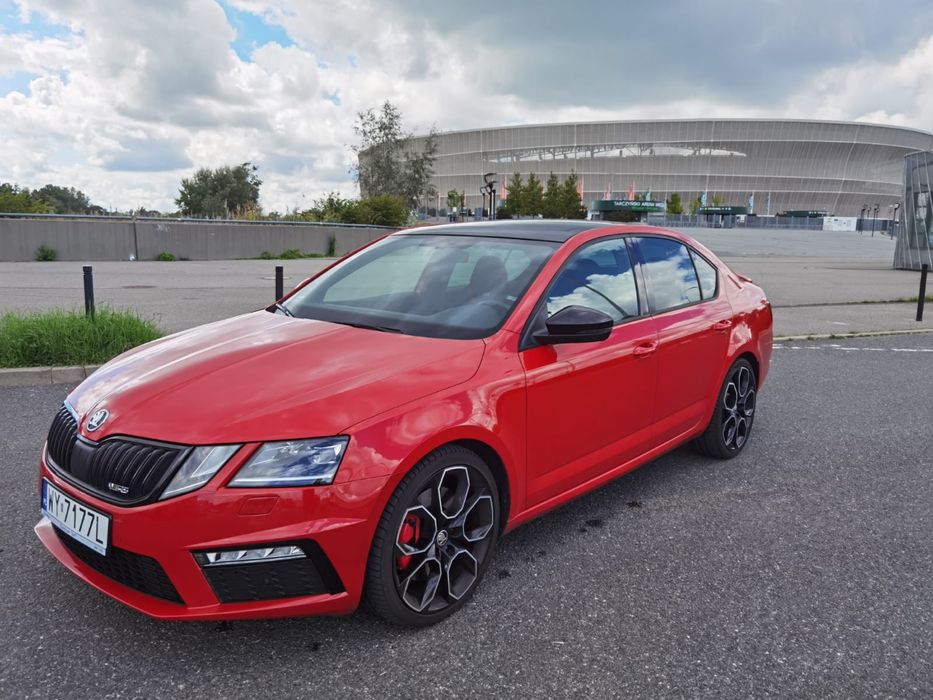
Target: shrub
[
  {"x": 165, "y": 256},
  {"x": 59, "y": 338},
  {"x": 46, "y": 254},
  {"x": 292, "y": 254}
]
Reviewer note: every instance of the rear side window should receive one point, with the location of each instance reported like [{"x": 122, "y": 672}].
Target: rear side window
[
  {"x": 669, "y": 272},
  {"x": 706, "y": 273},
  {"x": 600, "y": 277}
]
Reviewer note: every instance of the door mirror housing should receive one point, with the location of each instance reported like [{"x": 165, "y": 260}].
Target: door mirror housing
[{"x": 575, "y": 324}]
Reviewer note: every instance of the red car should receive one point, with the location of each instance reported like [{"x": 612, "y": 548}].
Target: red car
[{"x": 373, "y": 434}]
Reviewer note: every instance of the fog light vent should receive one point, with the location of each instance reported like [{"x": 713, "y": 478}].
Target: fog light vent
[{"x": 258, "y": 555}]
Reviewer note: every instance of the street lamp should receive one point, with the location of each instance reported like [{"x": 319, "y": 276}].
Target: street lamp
[
  {"x": 490, "y": 189},
  {"x": 894, "y": 220},
  {"x": 861, "y": 216},
  {"x": 874, "y": 214}
]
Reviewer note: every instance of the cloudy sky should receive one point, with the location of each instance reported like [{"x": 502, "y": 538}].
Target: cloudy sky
[{"x": 123, "y": 98}]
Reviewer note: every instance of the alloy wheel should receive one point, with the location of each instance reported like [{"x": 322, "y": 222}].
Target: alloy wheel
[
  {"x": 738, "y": 407},
  {"x": 443, "y": 539}
]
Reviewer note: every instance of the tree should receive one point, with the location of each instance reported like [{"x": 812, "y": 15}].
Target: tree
[
  {"x": 534, "y": 196},
  {"x": 64, "y": 200},
  {"x": 716, "y": 201},
  {"x": 230, "y": 191},
  {"x": 16, "y": 200},
  {"x": 550, "y": 207},
  {"x": 388, "y": 162},
  {"x": 674, "y": 205},
  {"x": 695, "y": 205},
  {"x": 515, "y": 196},
  {"x": 571, "y": 205}
]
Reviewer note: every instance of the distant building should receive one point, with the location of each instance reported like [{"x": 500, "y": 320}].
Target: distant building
[{"x": 766, "y": 165}]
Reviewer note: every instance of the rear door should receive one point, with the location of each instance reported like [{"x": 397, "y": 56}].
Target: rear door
[
  {"x": 589, "y": 405},
  {"x": 693, "y": 323}
]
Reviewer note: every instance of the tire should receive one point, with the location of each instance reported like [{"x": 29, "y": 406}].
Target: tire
[
  {"x": 435, "y": 539},
  {"x": 734, "y": 414}
]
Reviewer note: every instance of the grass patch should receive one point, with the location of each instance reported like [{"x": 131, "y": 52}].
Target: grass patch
[
  {"x": 62, "y": 338},
  {"x": 45, "y": 253},
  {"x": 165, "y": 256},
  {"x": 290, "y": 254}
]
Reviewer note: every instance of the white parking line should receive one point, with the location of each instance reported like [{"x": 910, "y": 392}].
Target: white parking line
[{"x": 847, "y": 348}]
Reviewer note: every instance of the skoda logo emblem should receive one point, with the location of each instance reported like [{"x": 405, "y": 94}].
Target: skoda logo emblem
[{"x": 97, "y": 420}]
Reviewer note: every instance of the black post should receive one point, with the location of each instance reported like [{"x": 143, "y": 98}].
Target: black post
[
  {"x": 279, "y": 282},
  {"x": 923, "y": 290},
  {"x": 89, "y": 291}
]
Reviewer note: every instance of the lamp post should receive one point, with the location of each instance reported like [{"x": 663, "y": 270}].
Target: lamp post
[
  {"x": 490, "y": 189},
  {"x": 894, "y": 225},
  {"x": 874, "y": 215},
  {"x": 861, "y": 218}
]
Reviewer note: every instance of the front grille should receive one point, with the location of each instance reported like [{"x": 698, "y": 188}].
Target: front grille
[
  {"x": 240, "y": 583},
  {"x": 136, "y": 571},
  {"x": 125, "y": 471}
]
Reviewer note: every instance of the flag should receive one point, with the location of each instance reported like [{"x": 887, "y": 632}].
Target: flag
[
  {"x": 631, "y": 191},
  {"x": 502, "y": 192},
  {"x": 751, "y": 202},
  {"x": 608, "y": 193},
  {"x": 648, "y": 196},
  {"x": 703, "y": 199},
  {"x": 580, "y": 187}
]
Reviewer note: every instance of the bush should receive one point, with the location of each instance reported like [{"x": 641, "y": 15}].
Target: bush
[
  {"x": 46, "y": 254},
  {"x": 165, "y": 256},
  {"x": 60, "y": 338},
  {"x": 292, "y": 254}
]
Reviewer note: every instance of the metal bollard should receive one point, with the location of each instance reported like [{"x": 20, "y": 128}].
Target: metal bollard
[
  {"x": 279, "y": 282},
  {"x": 89, "y": 291},
  {"x": 923, "y": 290}
]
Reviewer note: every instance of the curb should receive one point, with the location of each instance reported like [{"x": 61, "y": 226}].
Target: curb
[
  {"x": 855, "y": 334},
  {"x": 33, "y": 376}
]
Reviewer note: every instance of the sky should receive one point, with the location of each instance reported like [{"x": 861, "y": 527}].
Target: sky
[{"x": 124, "y": 98}]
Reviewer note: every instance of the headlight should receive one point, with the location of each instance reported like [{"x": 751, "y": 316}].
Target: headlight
[
  {"x": 198, "y": 468},
  {"x": 293, "y": 463}
]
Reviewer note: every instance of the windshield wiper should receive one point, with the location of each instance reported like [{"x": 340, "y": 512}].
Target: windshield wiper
[
  {"x": 278, "y": 307},
  {"x": 370, "y": 326}
]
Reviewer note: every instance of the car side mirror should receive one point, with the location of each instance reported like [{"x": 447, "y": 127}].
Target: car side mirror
[{"x": 575, "y": 324}]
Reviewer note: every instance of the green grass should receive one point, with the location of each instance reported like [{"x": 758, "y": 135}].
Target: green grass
[
  {"x": 165, "y": 256},
  {"x": 290, "y": 254},
  {"x": 45, "y": 254},
  {"x": 62, "y": 338}
]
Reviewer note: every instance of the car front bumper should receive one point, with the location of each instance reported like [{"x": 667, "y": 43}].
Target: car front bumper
[{"x": 335, "y": 524}]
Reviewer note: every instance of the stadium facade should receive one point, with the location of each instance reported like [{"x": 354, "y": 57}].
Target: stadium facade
[{"x": 769, "y": 165}]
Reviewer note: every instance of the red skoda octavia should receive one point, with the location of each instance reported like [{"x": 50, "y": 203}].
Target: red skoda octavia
[{"x": 373, "y": 434}]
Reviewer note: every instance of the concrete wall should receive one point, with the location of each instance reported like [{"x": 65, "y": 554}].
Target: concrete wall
[
  {"x": 103, "y": 238},
  {"x": 74, "y": 239}
]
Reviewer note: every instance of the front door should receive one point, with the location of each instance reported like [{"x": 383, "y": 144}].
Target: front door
[{"x": 589, "y": 405}]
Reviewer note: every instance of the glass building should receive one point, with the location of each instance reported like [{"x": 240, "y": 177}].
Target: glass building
[{"x": 915, "y": 242}]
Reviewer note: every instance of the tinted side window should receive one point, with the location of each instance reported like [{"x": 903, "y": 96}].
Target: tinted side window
[
  {"x": 669, "y": 273},
  {"x": 706, "y": 273},
  {"x": 600, "y": 277}
]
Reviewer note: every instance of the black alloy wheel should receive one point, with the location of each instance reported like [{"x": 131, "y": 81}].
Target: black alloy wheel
[
  {"x": 734, "y": 414},
  {"x": 435, "y": 539}
]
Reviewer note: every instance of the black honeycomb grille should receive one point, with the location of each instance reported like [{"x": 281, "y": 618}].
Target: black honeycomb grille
[{"x": 136, "y": 571}]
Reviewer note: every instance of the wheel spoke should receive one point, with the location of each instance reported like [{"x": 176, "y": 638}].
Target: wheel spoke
[
  {"x": 420, "y": 588},
  {"x": 452, "y": 490}
]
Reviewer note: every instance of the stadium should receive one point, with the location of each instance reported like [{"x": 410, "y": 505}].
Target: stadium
[{"x": 769, "y": 166}]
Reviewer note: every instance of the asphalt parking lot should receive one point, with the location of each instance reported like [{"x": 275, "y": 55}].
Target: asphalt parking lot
[{"x": 801, "y": 568}]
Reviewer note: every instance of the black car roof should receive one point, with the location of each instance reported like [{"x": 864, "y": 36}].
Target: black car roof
[{"x": 554, "y": 230}]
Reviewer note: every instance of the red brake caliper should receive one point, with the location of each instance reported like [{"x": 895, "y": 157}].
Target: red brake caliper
[{"x": 410, "y": 532}]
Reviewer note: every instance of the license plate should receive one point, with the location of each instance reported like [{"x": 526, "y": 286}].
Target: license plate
[{"x": 90, "y": 527}]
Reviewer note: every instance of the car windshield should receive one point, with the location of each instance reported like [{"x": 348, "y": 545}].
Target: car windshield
[{"x": 440, "y": 286}]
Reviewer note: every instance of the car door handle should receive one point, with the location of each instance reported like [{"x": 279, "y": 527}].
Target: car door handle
[
  {"x": 645, "y": 349},
  {"x": 723, "y": 325}
]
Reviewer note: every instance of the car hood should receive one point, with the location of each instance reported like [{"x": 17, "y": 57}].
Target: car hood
[{"x": 265, "y": 376}]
